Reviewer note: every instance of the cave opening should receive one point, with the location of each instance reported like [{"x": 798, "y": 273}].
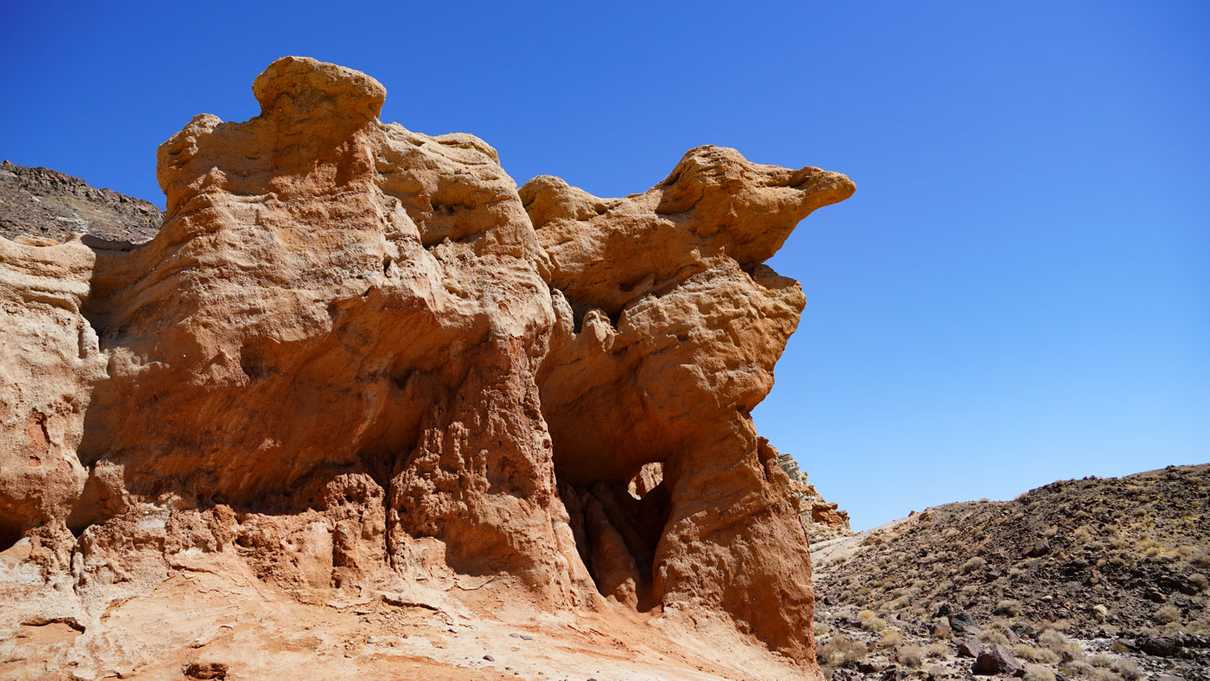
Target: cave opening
[
  {"x": 10, "y": 534},
  {"x": 617, "y": 527}
]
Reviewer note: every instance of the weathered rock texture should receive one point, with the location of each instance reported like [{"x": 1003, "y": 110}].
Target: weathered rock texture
[
  {"x": 357, "y": 362},
  {"x": 822, "y": 519}
]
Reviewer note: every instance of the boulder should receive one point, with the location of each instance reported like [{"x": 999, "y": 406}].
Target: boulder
[{"x": 996, "y": 660}]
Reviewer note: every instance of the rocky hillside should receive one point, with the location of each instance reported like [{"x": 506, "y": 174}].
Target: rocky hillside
[
  {"x": 365, "y": 408},
  {"x": 1095, "y": 578},
  {"x": 43, "y": 203}
]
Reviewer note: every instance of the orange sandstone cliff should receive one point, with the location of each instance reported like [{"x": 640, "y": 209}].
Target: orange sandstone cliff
[{"x": 362, "y": 408}]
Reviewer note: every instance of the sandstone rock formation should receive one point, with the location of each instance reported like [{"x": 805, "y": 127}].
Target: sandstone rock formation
[
  {"x": 358, "y": 365},
  {"x": 822, "y": 519}
]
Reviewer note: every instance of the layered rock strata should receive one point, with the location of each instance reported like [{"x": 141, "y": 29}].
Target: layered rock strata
[{"x": 357, "y": 359}]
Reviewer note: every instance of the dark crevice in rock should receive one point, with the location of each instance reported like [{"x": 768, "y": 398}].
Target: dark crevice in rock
[
  {"x": 10, "y": 533},
  {"x": 617, "y": 529}
]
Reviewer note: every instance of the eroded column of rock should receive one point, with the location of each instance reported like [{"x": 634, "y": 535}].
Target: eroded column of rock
[
  {"x": 49, "y": 361},
  {"x": 669, "y": 327}
]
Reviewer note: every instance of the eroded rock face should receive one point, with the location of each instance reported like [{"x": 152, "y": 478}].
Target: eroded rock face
[
  {"x": 822, "y": 519},
  {"x": 358, "y": 358}
]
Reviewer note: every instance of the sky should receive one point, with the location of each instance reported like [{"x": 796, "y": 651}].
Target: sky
[{"x": 1018, "y": 292}]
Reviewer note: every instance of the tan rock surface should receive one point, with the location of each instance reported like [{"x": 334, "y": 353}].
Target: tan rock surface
[
  {"x": 822, "y": 519},
  {"x": 364, "y": 406}
]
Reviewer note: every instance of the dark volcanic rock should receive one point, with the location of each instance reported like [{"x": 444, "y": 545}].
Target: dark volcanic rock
[
  {"x": 996, "y": 660},
  {"x": 44, "y": 203}
]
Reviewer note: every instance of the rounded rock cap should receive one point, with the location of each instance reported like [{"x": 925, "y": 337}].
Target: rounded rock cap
[{"x": 303, "y": 84}]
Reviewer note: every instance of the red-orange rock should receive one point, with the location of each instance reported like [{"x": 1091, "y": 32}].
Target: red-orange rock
[{"x": 358, "y": 363}]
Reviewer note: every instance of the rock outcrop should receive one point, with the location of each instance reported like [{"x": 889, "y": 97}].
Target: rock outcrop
[
  {"x": 822, "y": 519},
  {"x": 356, "y": 362}
]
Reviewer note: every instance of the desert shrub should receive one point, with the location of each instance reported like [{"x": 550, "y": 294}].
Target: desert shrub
[
  {"x": 1200, "y": 581},
  {"x": 1166, "y": 614},
  {"x": 1029, "y": 563},
  {"x": 1060, "y": 645},
  {"x": 936, "y": 671},
  {"x": 822, "y": 629},
  {"x": 871, "y": 621},
  {"x": 890, "y": 638},
  {"x": 1101, "y": 660},
  {"x": 1028, "y": 652},
  {"x": 1127, "y": 669},
  {"x": 1161, "y": 552},
  {"x": 975, "y": 563},
  {"x": 936, "y": 650},
  {"x": 1036, "y": 672},
  {"x": 1104, "y": 675},
  {"x": 1007, "y": 607},
  {"x": 993, "y": 636},
  {"x": 1077, "y": 669},
  {"x": 1082, "y": 534},
  {"x": 840, "y": 649},
  {"x": 1201, "y": 557},
  {"x": 910, "y": 655}
]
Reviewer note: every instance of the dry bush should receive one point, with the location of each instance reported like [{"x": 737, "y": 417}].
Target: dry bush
[
  {"x": 822, "y": 628},
  {"x": 993, "y": 636},
  {"x": 1201, "y": 557},
  {"x": 936, "y": 650},
  {"x": 1200, "y": 581},
  {"x": 1007, "y": 607},
  {"x": 1077, "y": 669},
  {"x": 1128, "y": 669},
  {"x": 1060, "y": 645},
  {"x": 910, "y": 655},
  {"x": 840, "y": 649},
  {"x": 870, "y": 621},
  {"x": 1082, "y": 534},
  {"x": 1036, "y": 672},
  {"x": 890, "y": 638},
  {"x": 1166, "y": 614},
  {"x": 975, "y": 563},
  {"x": 1028, "y": 652},
  {"x": 1101, "y": 660}
]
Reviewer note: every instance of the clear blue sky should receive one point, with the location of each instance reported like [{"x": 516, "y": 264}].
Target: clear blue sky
[{"x": 1018, "y": 292}]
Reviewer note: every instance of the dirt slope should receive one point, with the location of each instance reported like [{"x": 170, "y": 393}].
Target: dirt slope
[
  {"x": 41, "y": 202},
  {"x": 1093, "y": 578}
]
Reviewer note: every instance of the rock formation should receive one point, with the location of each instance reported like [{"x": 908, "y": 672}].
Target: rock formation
[
  {"x": 357, "y": 361},
  {"x": 822, "y": 519}
]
